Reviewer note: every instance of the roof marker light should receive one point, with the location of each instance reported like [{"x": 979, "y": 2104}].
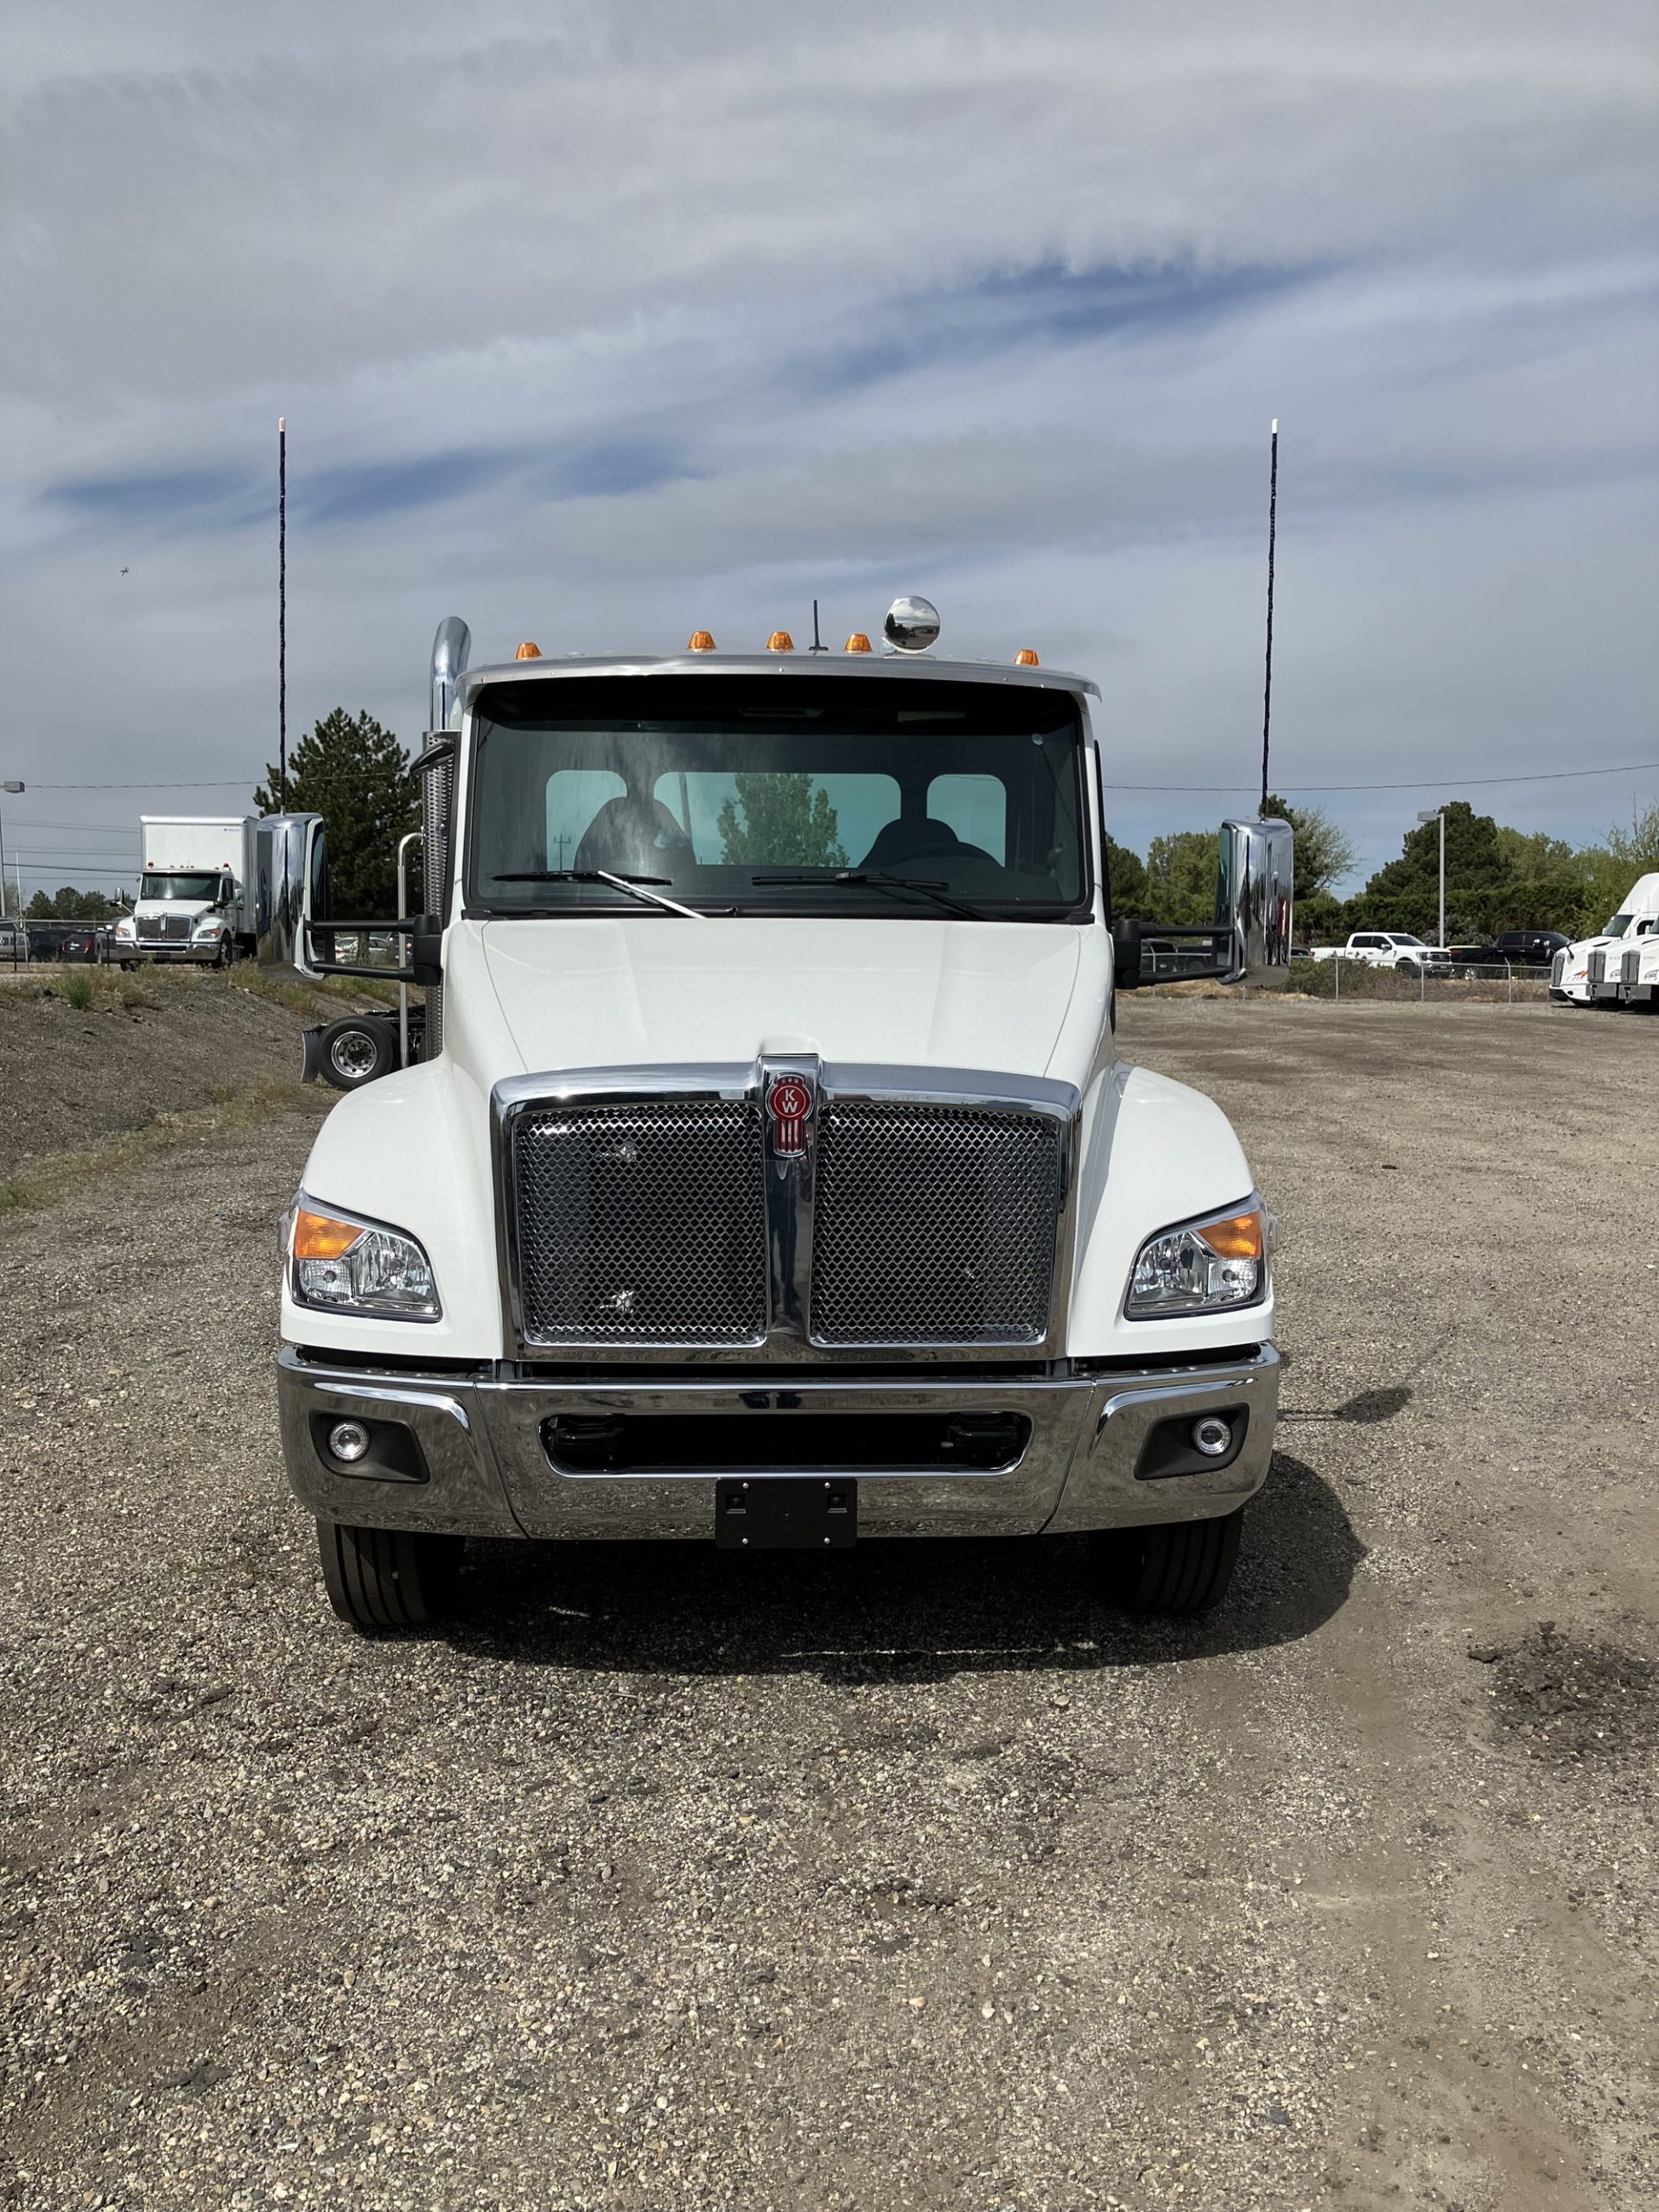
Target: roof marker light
[
  {"x": 700, "y": 641},
  {"x": 528, "y": 652},
  {"x": 858, "y": 643},
  {"x": 780, "y": 642},
  {"x": 1026, "y": 659}
]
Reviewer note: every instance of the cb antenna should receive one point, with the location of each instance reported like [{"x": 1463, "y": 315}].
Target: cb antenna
[
  {"x": 1267, "y": 684},
  {"x": 818, "y": 644}
]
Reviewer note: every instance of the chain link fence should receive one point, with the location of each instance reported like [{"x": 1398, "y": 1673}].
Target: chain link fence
[{"x": 1437, "y": 983}]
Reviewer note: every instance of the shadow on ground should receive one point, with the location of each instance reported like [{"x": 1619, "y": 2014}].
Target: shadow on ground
[{"x": 912, "y": 1611}]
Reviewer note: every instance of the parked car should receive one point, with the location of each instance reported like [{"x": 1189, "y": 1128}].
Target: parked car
[
  {"x": 1512, "y": 949},
  {"x": 78, "y": 942},
  {"x": 1385, "y": 948}
]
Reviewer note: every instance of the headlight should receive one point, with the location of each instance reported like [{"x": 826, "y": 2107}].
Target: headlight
[
  {"x": 125, "y": 929},
  {"x": 1203, "y": 1266},
  {"x": 206, "y": 929},
  {"x": 358, "y": 1266}
]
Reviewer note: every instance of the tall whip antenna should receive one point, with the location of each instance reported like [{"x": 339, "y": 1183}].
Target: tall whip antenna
[
  {"x": 1267, "y": 685},
  {"x": 282, "y": 614}
]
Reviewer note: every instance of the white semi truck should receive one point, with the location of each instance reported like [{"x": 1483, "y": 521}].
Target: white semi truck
[
  {"x": 1598, "y": 971},
  {"x": 769, "y": 1172}
]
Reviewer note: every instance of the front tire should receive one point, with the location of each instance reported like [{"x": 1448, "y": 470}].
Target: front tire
[
  {"x": 1173, "y": 1567},
  {"x": 358, "y": 1050},
  {"x": 388, "y": 1578}
]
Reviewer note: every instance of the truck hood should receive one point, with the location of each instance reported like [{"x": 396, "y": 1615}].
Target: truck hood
[{"x": 609, "y": 993}]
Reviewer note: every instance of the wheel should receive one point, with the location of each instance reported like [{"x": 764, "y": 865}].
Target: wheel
[
  {"x": 356, "y": 1051},
  {"x": 1174, "y": 1567},
  {"x": 222, "y": 958},
  {"x": 387, "y": 1577}
]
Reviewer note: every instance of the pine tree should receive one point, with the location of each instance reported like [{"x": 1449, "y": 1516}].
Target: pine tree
[
  {"x": 355, "y": 774},
  {"x": 785, "y": 823}
]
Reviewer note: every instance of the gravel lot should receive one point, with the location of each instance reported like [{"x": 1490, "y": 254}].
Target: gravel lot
[{"x": 901, "y": 1877}]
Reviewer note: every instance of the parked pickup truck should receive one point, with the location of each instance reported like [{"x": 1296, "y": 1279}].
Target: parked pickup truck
[
  {"x": 1513, "y": 949},
  {"x": 769, "y": 1174},
  {"x": 1385, "y": 948}
]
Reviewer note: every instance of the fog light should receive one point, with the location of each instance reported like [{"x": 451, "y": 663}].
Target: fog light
[
  {"x": 1212, "y": 1436},
  {"x": 348, "y": 1441}
]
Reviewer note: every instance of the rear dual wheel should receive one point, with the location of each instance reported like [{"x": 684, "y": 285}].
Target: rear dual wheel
[
  {"x": 1174, "y": 1567},
  {"x": 382, "y": 1579}
]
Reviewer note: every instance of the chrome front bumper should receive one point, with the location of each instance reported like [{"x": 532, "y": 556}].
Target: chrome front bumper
[{"x": 479, "y": 1466}]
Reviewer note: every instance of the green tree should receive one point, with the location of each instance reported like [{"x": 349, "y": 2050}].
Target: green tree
[
  {"x": 1637, "y": 848},
  {"x": 68, "y": 905},
  {"x": 1126, "y": 881},
  {"x": 1183, "y": 872},
  {"x": 1474, "y": 858},
  {"x": 1325, "y": 853},
  {"x": 355, "y": 774},
  {"x": 1534, "y": 856},
  {"x": 785, "y": 823}
]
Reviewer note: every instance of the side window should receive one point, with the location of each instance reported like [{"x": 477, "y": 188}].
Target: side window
[
  {"x": 574, "y": 798},
  {"x": 976, "y": 808}
]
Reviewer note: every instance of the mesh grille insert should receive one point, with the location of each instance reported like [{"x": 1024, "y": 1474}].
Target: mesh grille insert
[
  {"x": 935, "y": 1224},
  {"x": 641, "y": 1223}
]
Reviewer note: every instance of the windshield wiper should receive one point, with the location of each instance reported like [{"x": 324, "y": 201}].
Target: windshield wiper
[
  {"x": 636, "y": 884},
  {"x": 936, "y": 891}
]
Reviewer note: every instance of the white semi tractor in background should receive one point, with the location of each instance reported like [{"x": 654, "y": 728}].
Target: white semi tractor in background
[
  {"x": 767, "y": 1172},
  {"x": 1603, "y": 970}
]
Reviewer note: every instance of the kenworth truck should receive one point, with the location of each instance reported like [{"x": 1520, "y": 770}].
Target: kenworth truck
[
  {"x": 768, "y": 1172},
  {"x": 1598, "y": 971}
]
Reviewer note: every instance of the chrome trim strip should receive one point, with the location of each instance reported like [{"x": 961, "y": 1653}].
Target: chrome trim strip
[{"x": 428, "y": 1400}]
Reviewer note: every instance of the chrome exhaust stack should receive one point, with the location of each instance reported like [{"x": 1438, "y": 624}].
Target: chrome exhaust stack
[{"x": 450, "y": 648}]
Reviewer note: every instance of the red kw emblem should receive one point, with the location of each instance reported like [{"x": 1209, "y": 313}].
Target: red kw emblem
[{"x": 789, "y": 1101}]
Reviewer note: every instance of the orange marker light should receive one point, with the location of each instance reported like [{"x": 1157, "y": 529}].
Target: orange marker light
[
  {"x": 1026, "y": 659},
  {"x": 858, "y": 643},
  {"x": 780, "y": 642},
  {"x": 1238, "y": 1239},
  {"x": 318, "y": 1236},
  {"x": 528, "y": 652},
  {"x": 700, "y": 641}
]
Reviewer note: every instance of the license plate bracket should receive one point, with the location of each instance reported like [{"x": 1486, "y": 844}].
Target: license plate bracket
[{"x": 786, "y": 1513}]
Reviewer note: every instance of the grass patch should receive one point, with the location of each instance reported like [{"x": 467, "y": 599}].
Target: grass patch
[
  {"x": 68, "y": 1173},
  {"x": 77, "y": 991}
]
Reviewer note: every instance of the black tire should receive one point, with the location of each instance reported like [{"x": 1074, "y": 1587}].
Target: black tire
[
  {"x": 358, "y": 1050},
  {"x": 1174, "y": 1567},
  {"x": 388, "y": 1578},
  {"x": 225, "y": 954}
]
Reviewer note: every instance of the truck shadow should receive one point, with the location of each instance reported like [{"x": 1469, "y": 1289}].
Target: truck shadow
[{"x": 918, "y": 1611}]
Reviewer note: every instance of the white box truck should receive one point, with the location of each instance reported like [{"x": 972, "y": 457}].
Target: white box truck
[
  {"x": 769, "y": 1174},
  {"x": 1598, "y": 971},
  {"x": 195, "y": 896}
]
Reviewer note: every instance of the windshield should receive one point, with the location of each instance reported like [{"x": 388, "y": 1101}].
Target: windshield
[
  {"x": 1618, "y": 925},
  {"x": 179, "y": 886},
  {"x": 769, "y": 794}
]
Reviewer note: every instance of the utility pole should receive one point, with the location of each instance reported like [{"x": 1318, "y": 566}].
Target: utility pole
[
  {"x": 1273, "y": 529},
  {"x": 1440, "y": 818},
  {"x": 15, "y": 789},
  {"x": 282, "y": 614}
]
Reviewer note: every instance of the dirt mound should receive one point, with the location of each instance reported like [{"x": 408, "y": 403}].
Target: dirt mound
[
  {"x": 90, "y": 1056},
  {"x": 1571, "y": 1701}
]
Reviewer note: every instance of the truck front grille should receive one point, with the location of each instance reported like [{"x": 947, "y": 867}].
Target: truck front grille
[
  {"x": 1557, "y": 969},
  {"x": 641, "y": 1223},
  {"x": 1630, "y": 966},
  {"x": 164, "y": 928},
  {"x": 935, "y": 1224},
  {"x": 1597, "y": 967}
]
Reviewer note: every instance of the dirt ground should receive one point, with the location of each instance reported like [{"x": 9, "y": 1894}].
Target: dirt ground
[{"x": 905, "y": 1877}]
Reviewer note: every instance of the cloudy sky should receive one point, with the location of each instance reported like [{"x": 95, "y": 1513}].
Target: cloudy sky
[{"x": 598, "y": 323}]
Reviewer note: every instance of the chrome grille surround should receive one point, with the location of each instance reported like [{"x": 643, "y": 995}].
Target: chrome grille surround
[
  {"x": 162, "y": 929},
  {"x": 640, "y": 1222},
  {"x": 1630, "y": 966},
  {"x": 936, "y": 1224},
  {"x": 1557, "y": 969},
  {"x": 1596, "y": 966},
  {"x": 957, "y": 1178}
]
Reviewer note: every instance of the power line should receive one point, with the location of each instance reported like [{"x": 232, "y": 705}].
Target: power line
[
  {"x": 235, "y": 783},
  {"x": 1425, "y": 783}
]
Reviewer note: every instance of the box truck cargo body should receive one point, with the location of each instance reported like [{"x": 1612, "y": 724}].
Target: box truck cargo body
[{"x": 195, "y": 895}]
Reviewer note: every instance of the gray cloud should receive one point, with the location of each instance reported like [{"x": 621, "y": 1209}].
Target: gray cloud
[{"x": 600, "y": 325}]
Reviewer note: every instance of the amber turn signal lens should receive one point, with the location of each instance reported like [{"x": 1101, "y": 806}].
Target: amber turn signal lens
[
  {"x": 858, "y": 643},
  {"x": 1238, "y": 1238},
  {"x": 780, "y": 642},
  {"x": 700, "y": 641},
  {"x": 528, "y": 652},
  {"x": 1026, "y": 659},
  {"x": 318, "y": 1236}
]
